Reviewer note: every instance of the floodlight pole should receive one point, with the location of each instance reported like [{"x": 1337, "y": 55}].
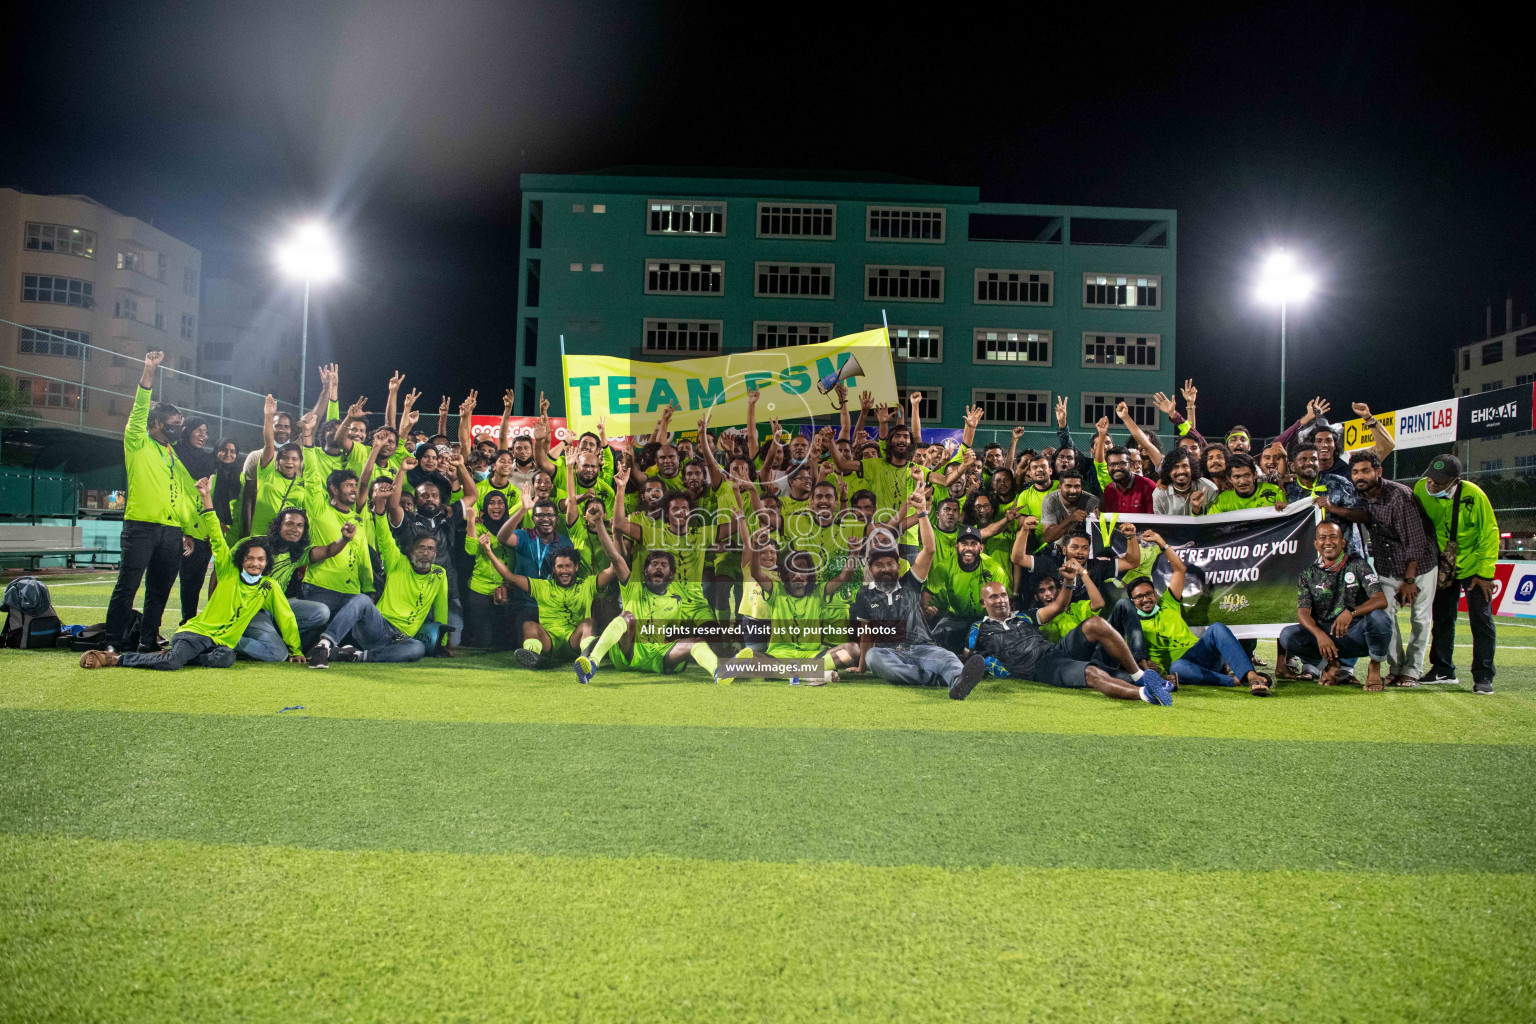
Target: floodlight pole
[
  {"x": 1282, "y": 366},
  {"x": 303, "y": 349}
]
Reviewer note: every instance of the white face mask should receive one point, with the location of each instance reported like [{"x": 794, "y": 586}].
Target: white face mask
[
  {"x": 1442, "y": 495},
  {"x": 251, "y": 578}
]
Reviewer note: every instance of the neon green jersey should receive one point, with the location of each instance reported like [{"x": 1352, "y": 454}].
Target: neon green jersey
[
  {"x": 160, "y": 490},
  {"x": 349, "y": 571},
  {"x": 800, "y": 627},
  {"x": 275, "y": 492},
  {"x": 235, "y": 602},
  {"x": 1265, "y": 495},
  {"x": 1074, "y": 615},
  {"x": 484, "y": 579},
  {"x": 410, "y": 596},
  {"x": 957, "y": 592},
  {"x": 562, "y": 609},
  {"x": 1168, "y": 637}
]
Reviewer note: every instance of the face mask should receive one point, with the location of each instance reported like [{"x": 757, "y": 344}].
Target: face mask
[
  {"x": 481, "y": 475},
  {"x": 1442, "y": 495},
  {"x": 1146, "y": 615},
  {"x": 172, "y": 435},
  {"x": 251, "y": 578}
]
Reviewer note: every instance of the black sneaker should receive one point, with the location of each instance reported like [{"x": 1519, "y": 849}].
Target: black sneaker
[
  {"x": 346, "y": 652},
  {"x": 320, "y": 656},
  {"x": 1482, "y": 686},
  {"x": 970, "y": 675},
  {"x": 1434, "y": 676}
]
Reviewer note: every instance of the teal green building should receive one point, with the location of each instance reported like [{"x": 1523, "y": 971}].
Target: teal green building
[{"x": 1005, "y": 305}]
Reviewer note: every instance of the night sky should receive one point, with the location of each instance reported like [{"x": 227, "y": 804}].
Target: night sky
[{"x": 1392, "y": 150}]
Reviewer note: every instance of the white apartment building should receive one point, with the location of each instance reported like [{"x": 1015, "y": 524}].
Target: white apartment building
[{"x": 1502, "y": 360}]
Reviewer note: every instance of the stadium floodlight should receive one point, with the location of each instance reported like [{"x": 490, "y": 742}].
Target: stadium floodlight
[
  {"x": 308, "y": 256},
  {"x": 1280, "y": 283}
]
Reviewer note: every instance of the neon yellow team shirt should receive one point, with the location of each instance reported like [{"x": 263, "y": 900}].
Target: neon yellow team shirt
[
  {"x": 958, "y": 592},
  {"x": 808, "y": 614},
  {"x": 318, "y": 465},
  {"x": 160, "y": 490},
  {"x": 1168, "y": 636},
  {"x": 688, "y": 549},
  {"x": 349, "y": 571},
  {"x": 1074, "y": 615},
  {"x": 235, "y": 602},
  {"x": 562, "y": 609},
  {"x": 410, "y": 596},
  {"x": 275, "y": 492},
  {"x": 283, "y": 565},
  {"x": 891, "y": 486},
  {"x": 508, "y": 490},
  {"x": 1264, "y": 496},
  {"x": 1029, "y": 502},
  {"x": 646, "y": 606},
  {"x": 484, "y": 579}
]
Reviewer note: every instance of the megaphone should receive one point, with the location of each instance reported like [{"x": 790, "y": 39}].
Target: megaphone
[{"x": 849, "y": 369}]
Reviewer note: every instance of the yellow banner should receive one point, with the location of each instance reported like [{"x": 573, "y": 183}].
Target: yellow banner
[
  {"x": 793, "y": 383},
  {"x": 1357, "y": 435}
]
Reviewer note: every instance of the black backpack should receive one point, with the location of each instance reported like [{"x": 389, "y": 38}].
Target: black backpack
[
  {"x": 29, "y": 619},
  {"x": 96, "y": 637}
]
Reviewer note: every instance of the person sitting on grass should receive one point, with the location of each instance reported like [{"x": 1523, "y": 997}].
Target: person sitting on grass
[
  {"x": 1173, "y": 648},
  {"x": 654, "y": 598},
  {"x": 803, "y": 615},
  {"x": 1012, "y": 646},
  {"x": 396, "y": 629},
  {"x": 564, "y": 600},
  {"x": 1340, "y": 611},
  {"x": 209, "y": 638},
  {"x": 288, "y": 548},
  {"x": 1074, "y": 624}
]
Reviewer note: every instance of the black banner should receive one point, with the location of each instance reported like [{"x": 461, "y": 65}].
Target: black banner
[{"x": 1495, "y": 412}]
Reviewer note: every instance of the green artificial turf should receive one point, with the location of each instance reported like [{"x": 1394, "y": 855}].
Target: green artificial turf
[
  {"x": 891, "y": 797},
  {"x": 465, "y": 840},
  {"x": 172, "y": 931}
]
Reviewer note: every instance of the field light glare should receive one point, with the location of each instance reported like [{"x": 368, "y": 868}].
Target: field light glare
[
  {"x": 309, "y": 255},
  {"x": 1280, "y": 281}
]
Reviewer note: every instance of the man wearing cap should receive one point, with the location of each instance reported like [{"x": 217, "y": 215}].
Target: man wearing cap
[
  {"x": 1467, "y": 535},
  {"x": 956, "y": 589}
]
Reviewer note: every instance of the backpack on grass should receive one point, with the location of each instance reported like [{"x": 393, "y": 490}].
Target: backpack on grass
[{"x": 30, "y": 622}]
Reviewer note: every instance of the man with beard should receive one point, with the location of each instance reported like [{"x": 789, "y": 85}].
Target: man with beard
[
  {"x": 1124, "y": 492},
  {"x": 209, "y": 638},
  {"x": 1274, "y": 465},
  {"x": 1340, "y": 611},
  {"x": 1179, "y": 493},
  {"x": 1326, "y": 489},
  {"x": 1239, "y": 440},
  {"x": 893, "y": 638},
  {"x": 1081, "y": 459},
  {"x": 1089, "y": 581},
  {"x": 653, "y": 598},
  {"x": 1173, "y": 649},
  {"x": 956, "y": 591},
  {"x": 806, "y": 620},
  {"x": 890, "y": 478},
  {"x": 946, "y": 533},
  {"x": 434, "y": 517},
  {"x": 532, "y": 549},
  {"x": 287, "y": 540},
  {"x": 337, "y": 448},
  {"x": 1404, "y": 555},
  {"x": 588, "y": 473},
  {"x": 1038, "y": 486},
  {"x": 1066, "y": 509},
  {"x": 1246, "y": 490},
  {"x": 1014, "y": 647},
  {"x": 1061, "y": 616},
  {"x": 162, "y": 503},
  {"x": 564, "y": 600},
  {"x": 687, "y": 537},
  {"x": 277, "y": 432},
  {"x": 394, "y": 630}
]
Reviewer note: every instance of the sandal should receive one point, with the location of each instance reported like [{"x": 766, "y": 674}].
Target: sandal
[
  {"x": 1262, "y": 688},
  {"x": 1402, "y": 681}
]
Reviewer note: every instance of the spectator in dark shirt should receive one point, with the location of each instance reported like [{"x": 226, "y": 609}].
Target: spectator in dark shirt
[{"x": 1340, "y": 611}]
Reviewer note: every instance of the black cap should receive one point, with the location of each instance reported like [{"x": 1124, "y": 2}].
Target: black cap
[
  {"x": 1444, "y": 469},
  {"x": 968, "y": 533}
]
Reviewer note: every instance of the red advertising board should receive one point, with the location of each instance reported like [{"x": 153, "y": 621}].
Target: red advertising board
[{"x": 517, "y": 426}]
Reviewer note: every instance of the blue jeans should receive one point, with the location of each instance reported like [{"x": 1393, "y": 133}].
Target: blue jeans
[
  {"x": 370, "y": 632},
  {"x": 335, "y": 600},
  {"x": 263, "y": 642},
  {"x": 1370, "y": 634},
  {"x": 1201, "y": 664},
  {"x": 919, "y": 665},
  {"x": 185, "y": 649}
]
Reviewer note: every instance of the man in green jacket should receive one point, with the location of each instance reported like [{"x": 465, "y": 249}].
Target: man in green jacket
[
  {"x": 162, "y": 503},
  {"x": 209, "y": 637},
  {"x": 1444, "y": 495}
]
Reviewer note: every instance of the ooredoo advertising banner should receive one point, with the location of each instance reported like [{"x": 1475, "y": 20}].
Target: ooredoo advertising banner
[{"x": 517, "y": 426}]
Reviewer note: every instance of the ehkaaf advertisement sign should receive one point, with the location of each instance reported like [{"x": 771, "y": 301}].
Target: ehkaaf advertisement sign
[
  {"x": 1421, "y": 425},
  {"x": 1495, "y": 412}
]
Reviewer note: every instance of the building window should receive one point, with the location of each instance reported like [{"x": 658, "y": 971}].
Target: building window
[
  {"x": 905, "y": 224},
  {"x": 126, "y": 308},
  {"x": 531, "y": 285},
  {"x": 61, "y": 238},
  {"x": 189, "y": 281},
  {"x": 931, "y": 408},
  {"x": 684, "y": 217},
  {"x": 1493, "y": 352},
  {"x": 66, "y": 291},
  {"x": 682, "y": 335},
  {"x": 668, "y": 277},
  {"x": 597, "y": 268},
  {"x": 530, "y": 341},
  {"x": 1466, "y": 359},
  {"x": 535, "y": 223},
  {"x": 1014, "y": 287},
  {"x": 915, "y": 344},
  {"x": 51, "y": 341},
  {"x": 904, "y": 284},
  {"x": 1493, "y": 385},
  {"x": 786, "y": 335},
  {"x": 1096, "y": 406},
  {"x": 599, "y": 207},
  {"x": 1139, "y": 351},
  {"x": 1525, "y": 465},
  {"x": 575, "y": 268},
  {"x": 159, "y": 320},
  {"x": 1525, "y": 344},
  {"x": 50, "y": 394},
  {"x": 1525, "y": 378},
  {"x": 1000, "y": 345},
  {"x": 188, "y": 326},
  {"x": 578, "y": 207},
  {"x": 1121, "y": 292},
  {"x": 1026, "y": 408},
  {"x": 783, "y": 220},
  {"x": 530, "y": 393},
  {"x": 1492, "y": 465},
  {"x": 184, "y": 364},
  {"x": 217, "y": 351},
  {"x": 806, "y": 280}
]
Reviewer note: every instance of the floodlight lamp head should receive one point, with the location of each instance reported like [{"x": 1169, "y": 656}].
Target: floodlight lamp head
[
  {"x": 309, "y": 255},
  {"x": 1281, "y": 282}
]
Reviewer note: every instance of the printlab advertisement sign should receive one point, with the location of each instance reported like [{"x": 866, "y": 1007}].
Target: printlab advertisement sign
[
  {"x": 1495, "y": 412},
  {"x": 1241, "y": 567},
  {"x": 1419, "y": 426}
]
